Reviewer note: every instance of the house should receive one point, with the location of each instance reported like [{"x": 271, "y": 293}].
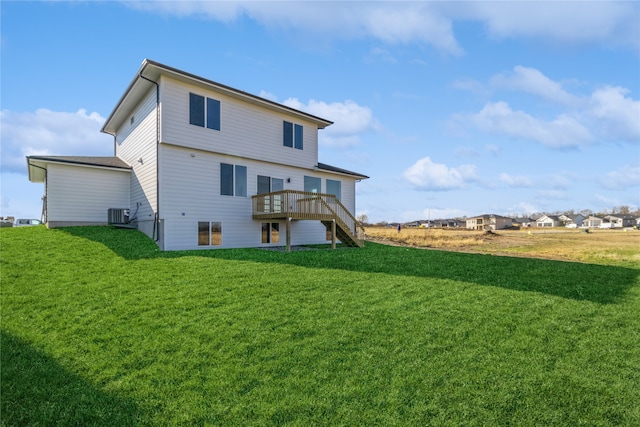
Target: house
[
  {"x": 571, "y": 221},
  {"x": 522, "y": 222},
  {"x": 548, "y": 221},
  {"x": 201, "y": 165},
  {"x": 620, "y": 221},
  {"x": 489, "y": 222},
  {"x": 592, "y": 221},
  {"x": 412, "y": 224}
]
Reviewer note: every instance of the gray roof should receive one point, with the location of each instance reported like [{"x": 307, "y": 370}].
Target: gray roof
[
  {"x": 329, "y": 168},
  {"x": 110, "y": 162},
  {"x": 37, "y": 165},
  {"x": 150, "y": 72}
]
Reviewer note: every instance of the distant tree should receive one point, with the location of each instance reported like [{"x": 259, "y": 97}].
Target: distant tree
[
  {"x": 624, "y": 210},
  {"x": 363, "y": 219}
]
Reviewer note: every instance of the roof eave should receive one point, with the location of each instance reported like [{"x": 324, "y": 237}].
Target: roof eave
[{"x": 153, "y": 70}]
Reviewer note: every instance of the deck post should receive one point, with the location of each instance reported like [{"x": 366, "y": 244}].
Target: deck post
[
  {"x": 288, "y": 232},
  {"x": 333, "y": 234}
]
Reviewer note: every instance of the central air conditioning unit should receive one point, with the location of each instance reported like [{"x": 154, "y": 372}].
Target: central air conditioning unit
[{"x": 118, "y": 216}]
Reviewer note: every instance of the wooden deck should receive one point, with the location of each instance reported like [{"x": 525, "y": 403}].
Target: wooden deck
[{"x": 293, "y": 205}]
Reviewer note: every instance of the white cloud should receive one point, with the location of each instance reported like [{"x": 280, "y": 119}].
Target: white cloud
[
  {"x": 50, "y": 132},
  {"x": 617, "y": 117},
  {"x": 533, "y": 81},
  {"x": 608, "y": 23},
  {"x": 562, "y": 132},
  {"x": 608, "y": 114},
  {"x": 268, "y": 95},
  {"x": 427, "y": 175},
  {"x": 522, "y": 208},
  {"x": 516, "y": 180},
  {"x": 623, "y": 178},
  {"x": 350, "y": 120},
  {"x": 390, "y": 22}
]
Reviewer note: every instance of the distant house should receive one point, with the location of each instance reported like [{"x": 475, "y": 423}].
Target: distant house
[
  {"x": 571, "y": 220},
  {"x": 592, "y": 221},
  {"x": 619, "y": 221},
  {"x": 412, "y": 224},
  {"x": 445, "y": 223},
  {"x": 201, "y": 165},
  {"x": 489, "y": 222},
  {"x": 548, "y": 221},
  {"x": 523, "y": 222}
]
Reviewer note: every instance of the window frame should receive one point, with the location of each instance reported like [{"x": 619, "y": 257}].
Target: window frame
[
  {"x": 204, "y": 112},
  {"x": 308, "y": 179},
  {"x": 233, "y": 180},
  {"x": 211, "y": 238},
  {"x": 292, "y": 135},
  {"x": 270, "y": 233}
]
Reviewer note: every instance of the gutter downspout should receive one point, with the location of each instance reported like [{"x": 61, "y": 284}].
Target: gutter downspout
[
  {"x": 44, "y": 215},
  {"x": 156, "y": 224}
]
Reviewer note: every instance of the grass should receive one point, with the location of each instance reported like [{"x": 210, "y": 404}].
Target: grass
[
  {"x": 100, "y": 328},
  {"x": 608, "y": 247}
]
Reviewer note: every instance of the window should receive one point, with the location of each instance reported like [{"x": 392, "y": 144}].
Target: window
[
  {"x": 266, "y": 184},
  {"x": 209, "y": 233},
  {"x": 334, "y": 187},
  {"x": 270, "y": 232},
  {"x": 312, "y": 184},
  {"x": 288, "y": 134},
  {"x": 241, "y": 181},
  {"x": 292, "y": 135},
  {"x": 198, "y": 112},
  {"x": 297, "y": 134},
  {"x": 270, "y": 203},
  {"x": 233, "y": 180}
]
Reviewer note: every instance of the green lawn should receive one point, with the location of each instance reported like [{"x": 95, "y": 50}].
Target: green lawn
[{"x": 100, "y": 328}]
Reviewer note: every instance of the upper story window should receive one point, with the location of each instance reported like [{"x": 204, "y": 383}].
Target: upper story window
[
  {"x": 292, "y": 135},
  {"x": 204, "y": 111},
  {"x": 233, "y": 180}
]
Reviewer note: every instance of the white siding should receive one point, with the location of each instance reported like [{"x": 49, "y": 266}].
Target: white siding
[
  {"x": 190, "y": 192},
  {"x": 84, "y": 194},
  {"x": 247, "y": 130},
  {"x": 136, "y": 141}
]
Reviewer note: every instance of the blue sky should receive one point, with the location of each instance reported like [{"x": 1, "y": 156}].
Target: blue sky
[{"x": 452, "y": 108}]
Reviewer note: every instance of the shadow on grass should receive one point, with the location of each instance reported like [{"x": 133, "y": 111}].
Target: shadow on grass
[
  {"x": 36, "y": 390},
  {"x": 591, "y": 282}
]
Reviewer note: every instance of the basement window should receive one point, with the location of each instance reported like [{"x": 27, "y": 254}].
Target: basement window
[
  {"x": 270, "y": 232},
  {"x": 209, "y": 233}
]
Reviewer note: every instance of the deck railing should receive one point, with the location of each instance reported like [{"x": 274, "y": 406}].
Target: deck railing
[{"x": 306, "y": 205}]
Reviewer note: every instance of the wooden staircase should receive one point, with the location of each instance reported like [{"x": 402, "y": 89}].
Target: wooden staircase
[{"x": 301, "y": 205}]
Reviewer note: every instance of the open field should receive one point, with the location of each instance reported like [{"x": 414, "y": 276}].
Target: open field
[
  {"x": 616, "y": 247},
  {"x": 100, "y": 328}
]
